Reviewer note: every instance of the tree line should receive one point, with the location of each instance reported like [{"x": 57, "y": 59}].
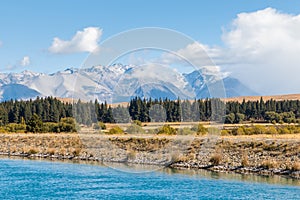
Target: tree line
[
  {"x": 166, "y": 110},
  {"x": 287, "y": 111},
  {"x": 52, "y": 110}
]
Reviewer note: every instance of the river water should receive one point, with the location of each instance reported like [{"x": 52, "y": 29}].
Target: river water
[{"x": 40, "y": 179}]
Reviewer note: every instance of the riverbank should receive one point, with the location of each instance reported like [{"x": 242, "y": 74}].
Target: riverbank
[{"x": 258, "y": 154}]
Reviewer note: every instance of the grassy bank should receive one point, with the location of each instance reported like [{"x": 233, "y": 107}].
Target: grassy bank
[{"x": 260, "y": 154}]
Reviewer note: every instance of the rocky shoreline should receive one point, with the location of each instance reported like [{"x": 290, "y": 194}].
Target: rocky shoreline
[
  {"x": 261, "y": 171},
  {"x": 241, "y": 170},
  {"x": 260, "y": 156}
]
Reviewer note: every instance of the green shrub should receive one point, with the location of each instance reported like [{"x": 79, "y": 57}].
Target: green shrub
[
  {"x": 200, "y": 129},
  {"x": 288, "y": 117},
  {"x": 167, "y": 129},
  {"x": 3, "y": 130},
  {"x": 293, "y": 128},
  {"x": 49, "y": 127},
  {"x": 230, "y": 118},
  {"x": 67, "y": 125},
  {"x": 115, "y": 130},
  {"x": 238, "y": 131},
  {"x": 225, "y": 132},
  {"x": 14, "y": 127},
  {"x": 284, "y": 130},
  {"x": 297, "y": 129},
  {"x": 271, "y": 130},
  {"x": 239, "y": 117},
  {"x": 137, "y": 122},
  {"x": 271, "y": 116},
  {"x": 35, "y": 124},
  {"x": 258, "y": 129},
  {"x": 99, "y": 126}
]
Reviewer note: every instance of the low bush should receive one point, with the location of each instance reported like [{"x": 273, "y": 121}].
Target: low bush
[
  {"x": 269, "y": 164},
  {"x": 245, "y": 161},
  {"x": 283, "y": 130},
  {"x": 200, "y": 129},
  {"x": 76, "y": 151},
  {"x": 296, "y": 166},
  {"x": 216, "y": 159},
  {"x": 257, "y": 130},
  {"x": 51, "y": 151},
  {"x": 115, "y": 130},
  {"x": 99, "y": 126},
  {"x": 137, "y": 122},
  {"x": 167, "y": 129},
  {"x": 225, "y": 132},
  {"x": 238, "y": 131},
  {"x": 50, "y": 127},
  {"x": 14, "y": 127},
  {"x": 32, "y": 151},
  {"x": 271, "y": 130},
  {"x": 67, "y": 125}
]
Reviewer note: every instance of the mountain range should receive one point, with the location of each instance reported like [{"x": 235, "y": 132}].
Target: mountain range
[{"x": 118, "y": 83}]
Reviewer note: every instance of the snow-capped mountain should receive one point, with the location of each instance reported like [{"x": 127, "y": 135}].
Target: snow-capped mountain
[{"x": 116, "y": 83}]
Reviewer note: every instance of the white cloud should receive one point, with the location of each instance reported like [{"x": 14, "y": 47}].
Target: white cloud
[
  {"x": 83, "y": 41},
  {"x": 260, "y": 48},
  {"x": 196, "y": 53},
  {"x": 264, "y": 46},
  {"x": 252, "y": 36},
  {"x": 25, "y": 61},
  {"x": 200, "y": 56}
]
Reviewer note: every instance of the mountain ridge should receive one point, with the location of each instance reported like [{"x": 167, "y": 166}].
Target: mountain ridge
[{"x": 116, "y": 83}]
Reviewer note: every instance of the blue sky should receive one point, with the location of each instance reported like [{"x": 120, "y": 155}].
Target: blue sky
[{"x": 28, "y": 28}]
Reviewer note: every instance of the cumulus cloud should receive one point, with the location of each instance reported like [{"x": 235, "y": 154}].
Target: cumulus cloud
[
  {"x": 25, "y": 61},
  {"x": 260, "y": 48},
  {"x": 196, "y": 53},
  {"x": 83, "y": 41},
  {"x": 263, "y": 48},
  {"x": 200, "y": 56},
  {"x": 252, "y": 36}
]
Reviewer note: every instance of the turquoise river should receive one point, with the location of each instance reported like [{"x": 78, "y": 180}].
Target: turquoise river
[{"x": 41, "y": 179}]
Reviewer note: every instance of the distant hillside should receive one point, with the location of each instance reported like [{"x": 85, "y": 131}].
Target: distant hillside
[
  {"x": 265, "y": 98},
  {"x": 230, "y": 99},
  {"x": 17, "y": 91}
]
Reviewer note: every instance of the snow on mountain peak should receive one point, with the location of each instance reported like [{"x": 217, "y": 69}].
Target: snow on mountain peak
[
  {"x": 102, "y": 82},
  {"x": 29, "y": 73}
]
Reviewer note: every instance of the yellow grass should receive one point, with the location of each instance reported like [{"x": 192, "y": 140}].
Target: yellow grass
[
  {"x": 265, "y": 136},
  {"x": 265, "y": 98}
]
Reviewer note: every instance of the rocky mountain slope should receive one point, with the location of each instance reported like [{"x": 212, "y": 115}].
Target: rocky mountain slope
[{"x": 117, "y": 83}]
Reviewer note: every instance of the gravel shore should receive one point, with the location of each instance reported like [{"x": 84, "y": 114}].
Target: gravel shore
[{"x": 246, "y": 155}]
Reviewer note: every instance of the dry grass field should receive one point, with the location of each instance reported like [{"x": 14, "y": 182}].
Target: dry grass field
[{"x": 265, "y": 98}]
